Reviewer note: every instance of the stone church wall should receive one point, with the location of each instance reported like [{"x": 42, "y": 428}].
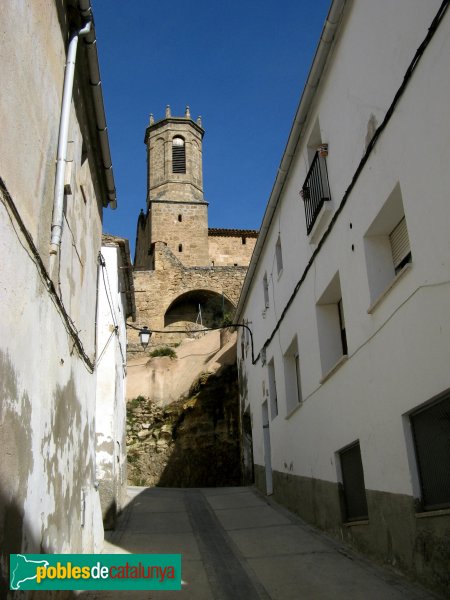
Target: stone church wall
[
  {"x": 230, "y": 250},
  {"x": 183, "y": 227},
  {"x": 156, "y": 290}
]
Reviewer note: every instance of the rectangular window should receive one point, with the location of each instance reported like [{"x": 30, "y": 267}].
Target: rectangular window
[
  {"x": 297, "y": 377},
  {"x": 342, "y": 327},
  {"x": 272, "y": 390},
  {"x": 386, "y": 246},
  {"x": 292, "y": 377},
  {"x": 266, "y": 291},
  {"x": 431, "y": 435},
  {"x": 331, "y": 326},
  {"x": 279, "y": 256},
  {"x": 315, "y": 190},
  {"x": 354, "y": 491}
]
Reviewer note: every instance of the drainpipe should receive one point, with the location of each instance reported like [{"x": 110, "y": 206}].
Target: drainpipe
[{"x": 58, "y": 201}]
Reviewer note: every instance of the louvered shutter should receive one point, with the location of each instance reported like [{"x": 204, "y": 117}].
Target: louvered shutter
[{"x": 399, "y": 242}]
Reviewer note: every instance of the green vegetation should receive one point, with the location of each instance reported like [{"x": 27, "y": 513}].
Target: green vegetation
[
  {"x": 135, "y": 402},
  {"x": 163, "y": 351},
  {"x": 227, "y": 319}
]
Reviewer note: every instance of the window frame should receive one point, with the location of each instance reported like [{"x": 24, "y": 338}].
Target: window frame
[
  {"x": 425, "y": 461},
  {"x": 346, "y": 485}
]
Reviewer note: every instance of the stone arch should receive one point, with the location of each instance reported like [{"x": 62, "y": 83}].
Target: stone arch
[{"x": 183, "y": 311}]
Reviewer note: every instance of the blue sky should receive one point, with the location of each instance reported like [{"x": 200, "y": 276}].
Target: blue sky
[{"x": 240, "y": 65}]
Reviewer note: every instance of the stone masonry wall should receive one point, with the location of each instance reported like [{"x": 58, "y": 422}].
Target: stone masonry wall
[
  {"x": 162, "y": 182},
  {"x": 184, "y": 228},
  {"x": 156, "y": 290},
  {"x": 227, "y": 250}
]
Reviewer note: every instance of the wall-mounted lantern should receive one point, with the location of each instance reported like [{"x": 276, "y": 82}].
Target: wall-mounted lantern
[{"x": 144, "y": 335}]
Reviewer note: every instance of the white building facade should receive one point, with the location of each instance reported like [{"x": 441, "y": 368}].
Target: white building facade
[
  {"x": 55, "y": 180},
  {"x": 115, "y": 305},
  {"x": 348, "y": 290}
]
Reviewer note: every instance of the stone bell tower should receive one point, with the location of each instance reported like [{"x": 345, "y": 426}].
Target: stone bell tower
[{"x": 177, "y": 214}]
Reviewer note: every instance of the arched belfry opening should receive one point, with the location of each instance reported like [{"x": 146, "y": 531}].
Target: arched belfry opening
[
  {"x": 196, "y": 309},
  {"x": 178, "y": 155}
]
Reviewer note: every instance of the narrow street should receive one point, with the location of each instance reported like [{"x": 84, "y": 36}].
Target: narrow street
[{"x": 237, "y": 544}]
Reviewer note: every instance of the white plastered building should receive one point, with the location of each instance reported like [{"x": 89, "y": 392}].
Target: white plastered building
[
  {"x": 115, "y": 305},
  {"x": 348, "y": 292}
]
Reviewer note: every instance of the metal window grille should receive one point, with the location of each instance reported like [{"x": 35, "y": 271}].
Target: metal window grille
[
  {"x": 431, "y": 432},
  {"x": 178, "y": 155},
  {"x": 315, "y": 190},
  {"x": 353, "y": 483}
]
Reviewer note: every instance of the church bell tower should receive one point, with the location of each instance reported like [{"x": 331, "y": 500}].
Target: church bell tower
[{"x": 177, "y": 213}]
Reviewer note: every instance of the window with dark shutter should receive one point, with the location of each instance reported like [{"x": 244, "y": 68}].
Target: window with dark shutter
[
  {"x": 353, "y": 483},
  {"x": 431, "y": 433},
  {"x": 399, "y": 240}
]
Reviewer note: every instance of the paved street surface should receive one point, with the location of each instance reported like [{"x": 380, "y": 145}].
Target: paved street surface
[{"x": 236, "y": 544}]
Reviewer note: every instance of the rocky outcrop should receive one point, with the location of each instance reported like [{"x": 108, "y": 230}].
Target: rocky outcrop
[{"x": 193, "y": 442}]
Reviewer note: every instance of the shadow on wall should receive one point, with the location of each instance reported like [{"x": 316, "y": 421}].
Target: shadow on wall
[
  {"x": 16, "y": 538},
  {"x": 193, "y": 442},
  {"x": 206, "y": 449}
]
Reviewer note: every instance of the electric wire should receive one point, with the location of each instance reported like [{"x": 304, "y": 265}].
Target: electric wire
[
  {"x": 69, "y": 325},
  {"x": 205, "y": 330}
]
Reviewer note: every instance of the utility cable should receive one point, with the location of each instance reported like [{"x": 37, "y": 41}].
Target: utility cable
[
  {"x": 36, "y": 257},
  {"x": 409, "y": 72},
  {"x": 246, "y": 327}
]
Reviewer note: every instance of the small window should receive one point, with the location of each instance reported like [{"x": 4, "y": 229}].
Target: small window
[
  {"x": 266, "y": 291},
  {"x": 180, "y": 247},
  {"x": 431, "y": 435},
  {"x": 272, "y": 390},
  {"x": 342, "y": 327},
  {"x": 315, "y": 190},
  {"x": 244, "y": 241},
  {"x": 178, "y": 155},
  {"x": 292, "y": 377},
  {"x": 354, "y": 490},
  {"x": 331, "y": 326},
  {"x": 386, "y": 245},
  {"x": 279, "y": 256},
  {"x": 180, "y": 218}
]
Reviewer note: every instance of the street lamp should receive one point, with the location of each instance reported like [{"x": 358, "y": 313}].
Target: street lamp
[{"x": 144, "y": 336}]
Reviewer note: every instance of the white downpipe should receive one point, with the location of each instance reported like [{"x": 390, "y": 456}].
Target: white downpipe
[{"x": 58, "y": 201}]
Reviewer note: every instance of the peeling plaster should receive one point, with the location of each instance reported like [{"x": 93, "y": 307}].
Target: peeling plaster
[{"x": 17, "y": 463}]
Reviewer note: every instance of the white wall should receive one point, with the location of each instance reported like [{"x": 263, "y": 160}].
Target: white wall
[
  {"x": 47, "y": 413},
  {"x": 398, "y": 354},
  {"x": 111, "y": 383}
]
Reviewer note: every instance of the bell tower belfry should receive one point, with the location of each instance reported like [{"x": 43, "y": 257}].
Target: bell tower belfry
[{"x": 177, "y": 213}]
